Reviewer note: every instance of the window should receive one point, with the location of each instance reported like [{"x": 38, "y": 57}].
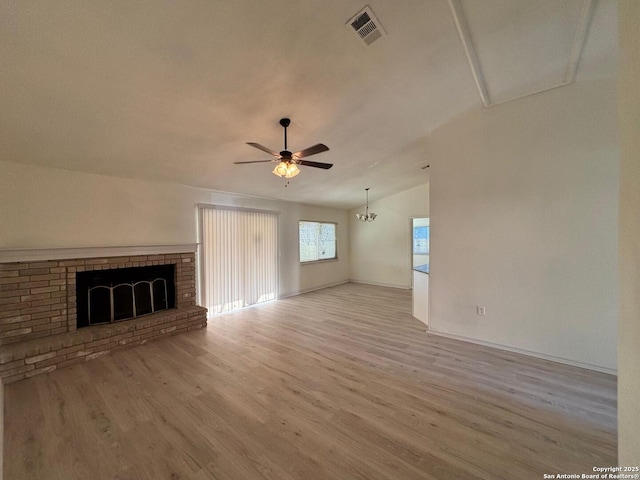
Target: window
[
  {"x": 421, "y": 240},
  {"x": 317, "y": 241}
]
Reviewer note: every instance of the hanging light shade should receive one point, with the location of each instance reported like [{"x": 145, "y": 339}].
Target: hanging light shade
[
  {"x": 366, "y": 217},
  {"x": 286, "y": 170},
  {"x": 292, "y": 170},
  {"x": 280, "y": 170}
]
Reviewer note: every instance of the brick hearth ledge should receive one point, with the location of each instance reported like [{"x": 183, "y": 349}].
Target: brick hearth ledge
[{"x": 38, "y": 331}]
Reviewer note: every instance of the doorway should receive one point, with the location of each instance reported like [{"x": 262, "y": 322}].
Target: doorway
[
  {"x": 420, "y": 241},
  {"x": 420, "y": 233}
]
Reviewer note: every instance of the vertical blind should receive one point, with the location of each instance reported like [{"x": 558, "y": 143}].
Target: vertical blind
[{"x": 239, "y": 262}]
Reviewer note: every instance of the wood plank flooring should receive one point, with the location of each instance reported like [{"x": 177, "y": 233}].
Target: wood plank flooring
[{"x": 337, "y": 384}]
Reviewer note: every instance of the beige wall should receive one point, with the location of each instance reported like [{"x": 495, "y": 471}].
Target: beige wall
[
  {"x": 45, "y": 208},
  {"x": 629, "y": 322},
  {"x": 380, "y": 251},
  {"x": 524, "y": 222}
]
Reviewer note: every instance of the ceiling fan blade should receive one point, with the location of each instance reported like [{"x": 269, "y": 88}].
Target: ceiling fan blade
[
  {"x": 263, "y": 148},
  {"x": 318, "y": 148},
  {"x": 254, "y": 161},
  {"x": 307, "y": 163}
]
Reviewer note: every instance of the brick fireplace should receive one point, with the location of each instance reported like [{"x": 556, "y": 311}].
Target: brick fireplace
[{"x": 39, "y": 306}]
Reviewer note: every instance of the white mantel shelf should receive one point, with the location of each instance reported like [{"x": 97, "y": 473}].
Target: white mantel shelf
[{"x": 8, "y": 255}]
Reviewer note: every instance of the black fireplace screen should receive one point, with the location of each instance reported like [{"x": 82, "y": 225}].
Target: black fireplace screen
[{"x": 107, "y": 296}]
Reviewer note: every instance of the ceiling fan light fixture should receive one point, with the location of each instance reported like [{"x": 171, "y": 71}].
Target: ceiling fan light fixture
[
  {"x": 280, "y": 170},
  {"x": 292, "y": 170},
  {"x": 366, "y": 217},
  {"x": 286, "y": 170},
  {"x": 288, "y": 162}
]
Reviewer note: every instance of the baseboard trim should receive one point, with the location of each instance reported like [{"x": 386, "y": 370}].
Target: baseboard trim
[
  {"x": 380, "y": 284},
  {"x": 529, "y": 353},
  {"x": 311, "y": 289}
]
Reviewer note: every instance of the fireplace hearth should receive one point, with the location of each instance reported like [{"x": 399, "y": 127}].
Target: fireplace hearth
[{"x": 127, "y": 295}]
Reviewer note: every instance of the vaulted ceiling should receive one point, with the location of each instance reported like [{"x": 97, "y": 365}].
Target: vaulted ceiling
[{"x": 171, "y": 91}]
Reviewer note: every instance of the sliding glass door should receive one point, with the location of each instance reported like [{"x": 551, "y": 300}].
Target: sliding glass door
[{"x": 239, "y": 257}]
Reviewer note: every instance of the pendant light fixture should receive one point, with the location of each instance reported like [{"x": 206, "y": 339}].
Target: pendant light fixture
[
  {"x": 286, "y": 170},
  {"x": 366, "y": 217}
]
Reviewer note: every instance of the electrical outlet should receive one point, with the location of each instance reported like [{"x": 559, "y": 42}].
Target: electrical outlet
[{"x": 480, "y": 310}]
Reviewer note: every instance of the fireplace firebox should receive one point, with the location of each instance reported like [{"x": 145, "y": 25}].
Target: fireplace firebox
[{"x": 108, "y": 296}]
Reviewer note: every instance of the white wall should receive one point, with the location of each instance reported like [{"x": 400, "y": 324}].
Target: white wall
[
  {"x": 629, "y": 324},
  {"x": 524, "y": 222},
  {"x": 45, "y": 208},
  {"x": 381, "y": 250}
]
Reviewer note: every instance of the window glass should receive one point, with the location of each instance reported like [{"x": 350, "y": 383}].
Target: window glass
[
  {"x": 317, "y": 241},
  {"x": 421, "y": 240}
]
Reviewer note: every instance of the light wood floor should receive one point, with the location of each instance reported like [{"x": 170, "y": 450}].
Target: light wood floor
[{"x": 337, "y": 384}]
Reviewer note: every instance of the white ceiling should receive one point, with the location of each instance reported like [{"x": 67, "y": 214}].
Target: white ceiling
[{"x": 171, "y": 91}]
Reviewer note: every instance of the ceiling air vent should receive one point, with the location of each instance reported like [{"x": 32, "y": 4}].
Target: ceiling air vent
[{"x": 366, "y": 25}]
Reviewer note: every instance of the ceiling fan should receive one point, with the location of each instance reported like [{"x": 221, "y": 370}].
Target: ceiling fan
[{"x": 288, "y": 162}]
